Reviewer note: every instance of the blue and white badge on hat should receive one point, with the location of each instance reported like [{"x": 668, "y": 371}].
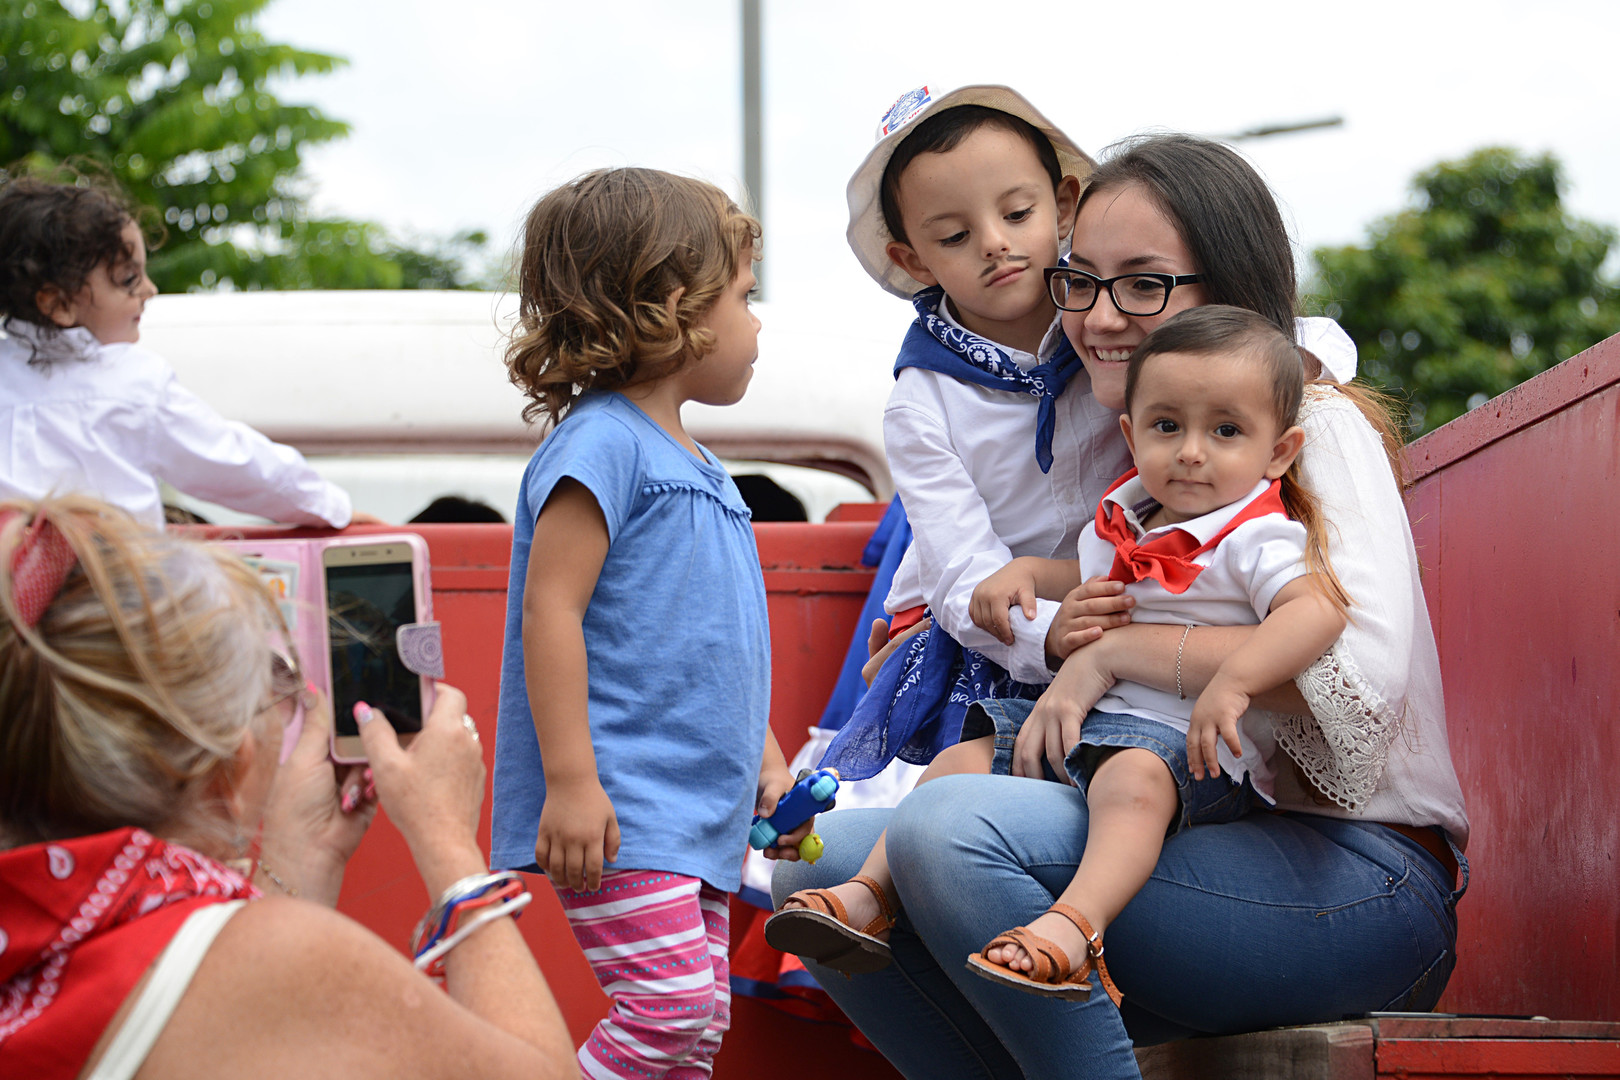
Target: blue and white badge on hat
[{"x": 904, "y": 111}]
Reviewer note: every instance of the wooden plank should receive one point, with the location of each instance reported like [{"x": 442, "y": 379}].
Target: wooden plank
[
  {"x": 1446, "y": 1026},
  {"x": 1323, "y": 1052}
]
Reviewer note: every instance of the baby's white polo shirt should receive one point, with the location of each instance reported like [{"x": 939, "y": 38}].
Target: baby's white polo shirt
[{"x": 1241, "y": 576}]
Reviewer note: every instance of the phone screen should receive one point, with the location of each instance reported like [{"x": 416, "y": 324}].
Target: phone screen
[{"x": 365, "y": 604}]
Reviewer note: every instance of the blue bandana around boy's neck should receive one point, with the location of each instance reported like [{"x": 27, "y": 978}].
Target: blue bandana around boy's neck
[{"x": 933, "y": 344}]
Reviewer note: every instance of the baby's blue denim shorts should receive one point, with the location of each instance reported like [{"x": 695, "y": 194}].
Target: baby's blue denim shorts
[{"x": 1210, "y": 801}]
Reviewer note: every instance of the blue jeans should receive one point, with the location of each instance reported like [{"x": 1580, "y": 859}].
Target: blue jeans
[
  {"x": 1270, "y": 920},
  {"x": 1212, "y": 800}
]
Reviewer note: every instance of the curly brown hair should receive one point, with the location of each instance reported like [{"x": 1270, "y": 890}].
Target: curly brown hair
[
  {"x": 55, "y": 234},
  {"x": 602, "y": 256}
]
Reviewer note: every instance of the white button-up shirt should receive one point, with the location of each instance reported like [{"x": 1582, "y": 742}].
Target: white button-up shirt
[
  {"x": 113, "y": 420},
  {"x": 1241, "y": 576}
]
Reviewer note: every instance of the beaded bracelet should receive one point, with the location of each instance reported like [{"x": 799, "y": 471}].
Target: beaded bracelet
[
  {"x": 1180, "y": 693},
  {"x": 440, "y": 930}
]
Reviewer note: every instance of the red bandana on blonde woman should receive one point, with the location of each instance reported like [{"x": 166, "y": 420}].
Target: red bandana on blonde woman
[
  {"x": 40, "y": 563},
  {"x": 81, "y": 920}
]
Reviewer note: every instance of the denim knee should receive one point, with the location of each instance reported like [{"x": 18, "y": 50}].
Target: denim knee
[{"x": 849, "y": 836}]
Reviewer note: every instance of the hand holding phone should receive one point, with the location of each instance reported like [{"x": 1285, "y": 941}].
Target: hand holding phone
[{"x": 372, "y": 589}]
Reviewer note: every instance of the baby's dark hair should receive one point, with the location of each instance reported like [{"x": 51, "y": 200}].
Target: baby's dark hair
[
  {"x": 943, "y": 132},
  {"x": 1222, "y": 330},
  {"x": 54, "y": 235},
  {"x": 601, "y": 257}
]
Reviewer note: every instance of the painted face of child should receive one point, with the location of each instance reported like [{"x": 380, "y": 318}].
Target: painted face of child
[
  {"x": 112, "y": 299},
  {"x": 1203, "y": 431},
  {"x": 1121, "y": 231},
  {"x": 983, "y": 221}
]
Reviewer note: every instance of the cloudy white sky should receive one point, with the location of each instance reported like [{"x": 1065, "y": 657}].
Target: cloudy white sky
[{"x": 464, "y": 113}]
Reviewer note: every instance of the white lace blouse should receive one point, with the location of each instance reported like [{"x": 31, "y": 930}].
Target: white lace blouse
[{"x": 1376, "y": 746}]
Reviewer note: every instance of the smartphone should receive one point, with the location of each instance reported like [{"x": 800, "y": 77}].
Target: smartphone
[{"x": 372, "y": 589}]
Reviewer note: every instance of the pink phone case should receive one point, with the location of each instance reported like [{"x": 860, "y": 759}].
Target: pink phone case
[{"x": 294, "y": 571}]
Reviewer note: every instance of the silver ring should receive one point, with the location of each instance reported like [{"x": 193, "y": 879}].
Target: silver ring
[{"x": 472, "y": 728}]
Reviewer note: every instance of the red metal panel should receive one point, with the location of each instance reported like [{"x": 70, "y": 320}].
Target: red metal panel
[
  {"x": 1515, "y": 514},
  {"x": 1442, "y": 1059}
]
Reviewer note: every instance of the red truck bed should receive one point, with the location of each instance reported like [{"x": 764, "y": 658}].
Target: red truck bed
[{"x": 1514, "y": 506}]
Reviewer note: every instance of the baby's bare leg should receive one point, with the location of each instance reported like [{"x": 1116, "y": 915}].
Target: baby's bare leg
[
  {"x": 973, "y": 756},
  {"x": 1132, "y": 799}
]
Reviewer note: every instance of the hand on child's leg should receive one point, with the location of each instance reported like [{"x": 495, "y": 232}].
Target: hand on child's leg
[{"x": 1215, "y": 718}]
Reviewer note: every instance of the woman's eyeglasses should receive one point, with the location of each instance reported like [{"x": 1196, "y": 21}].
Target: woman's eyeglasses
[{"x": 1133, "y": 294}]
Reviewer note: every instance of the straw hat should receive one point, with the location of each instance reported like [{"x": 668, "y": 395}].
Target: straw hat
[{"x": 868, "y": 236}]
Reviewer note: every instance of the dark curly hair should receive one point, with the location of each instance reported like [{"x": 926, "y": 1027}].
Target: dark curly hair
[
  {"x": 601, "y": 256},
  {"x": 945, "y": 131},
  {"x": 55, "y": 235}
]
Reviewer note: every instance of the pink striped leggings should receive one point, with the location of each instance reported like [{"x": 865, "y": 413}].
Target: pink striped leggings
[{"x": 658, "y": 944}]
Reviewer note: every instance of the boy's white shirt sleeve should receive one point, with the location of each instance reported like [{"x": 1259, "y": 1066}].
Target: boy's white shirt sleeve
[
  {"x": 202, "y": 453},
  {"x": 942, "y": 503}
]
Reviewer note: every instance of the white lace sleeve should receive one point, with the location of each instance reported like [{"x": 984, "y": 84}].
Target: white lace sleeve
[{"x": 1357, "y": 690}]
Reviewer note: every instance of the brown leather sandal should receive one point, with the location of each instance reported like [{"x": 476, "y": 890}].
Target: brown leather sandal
[
  {"x": 818, "y": 929},
  {"x": 1051, "y": 977}
]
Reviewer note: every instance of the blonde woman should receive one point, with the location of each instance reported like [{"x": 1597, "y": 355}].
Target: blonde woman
[{"x": 141, "y": 709}]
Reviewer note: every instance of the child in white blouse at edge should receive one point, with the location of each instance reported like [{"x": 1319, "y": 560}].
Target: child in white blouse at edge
[
  {"x": 633, "y": 744},
  {"x": 1214, "y": 527},
  {"x": 84, "y": 408}
]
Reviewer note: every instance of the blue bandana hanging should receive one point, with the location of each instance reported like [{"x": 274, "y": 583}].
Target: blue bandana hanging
[
  {"x": 935, "y": 345},
  {"x": 916, "y": 705}
]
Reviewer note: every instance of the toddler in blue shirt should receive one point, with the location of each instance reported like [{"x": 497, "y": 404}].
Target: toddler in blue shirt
[{"x": 633, "y": 746}]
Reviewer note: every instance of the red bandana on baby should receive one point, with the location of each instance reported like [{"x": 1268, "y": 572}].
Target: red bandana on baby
[
  {"x": 1168, "y": 558},
  {"x": 80, "y": 922}
]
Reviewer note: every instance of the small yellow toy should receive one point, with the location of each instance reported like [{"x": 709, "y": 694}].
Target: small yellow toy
[{"x": 811, "y": 848}]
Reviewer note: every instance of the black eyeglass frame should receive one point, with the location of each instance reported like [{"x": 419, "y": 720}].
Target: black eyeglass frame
[{"x": 1170, "y": 281}]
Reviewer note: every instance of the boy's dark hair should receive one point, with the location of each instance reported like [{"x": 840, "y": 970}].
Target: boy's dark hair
[
  {"x": 943, "y": 132},
  {"x": 457, "y": 509},
  {"x": 601, "y": 257},
  {"x": 1218, "y": 329},
  {"x": 1224, "y": 213},
  {"x": 56, "y": 234}
]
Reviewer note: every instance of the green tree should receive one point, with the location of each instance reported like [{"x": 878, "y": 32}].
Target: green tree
[
  {"x": 171, "y": 97},
  {"x": 1486, "y": 281}
]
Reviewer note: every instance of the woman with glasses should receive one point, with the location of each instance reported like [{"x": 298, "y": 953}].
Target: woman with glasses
[
  {"x": 142, "y": 810},
  {"x": 1340, "y": 903}
]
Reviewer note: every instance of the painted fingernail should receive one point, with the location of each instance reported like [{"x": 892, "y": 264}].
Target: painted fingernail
[
  {"x": 371, "y": 790},
  {"x": 362, "y": 713},
  {"x": 310, "y": 687},
  {"x": 351, "y": 799}
]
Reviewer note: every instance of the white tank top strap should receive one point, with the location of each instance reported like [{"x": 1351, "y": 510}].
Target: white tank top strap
[{"x": 171, "y": 975}]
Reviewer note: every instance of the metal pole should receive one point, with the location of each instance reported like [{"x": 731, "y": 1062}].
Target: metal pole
[
  {"x": 753, "y": 143},
  {"x": 1285, "y": 129}
]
